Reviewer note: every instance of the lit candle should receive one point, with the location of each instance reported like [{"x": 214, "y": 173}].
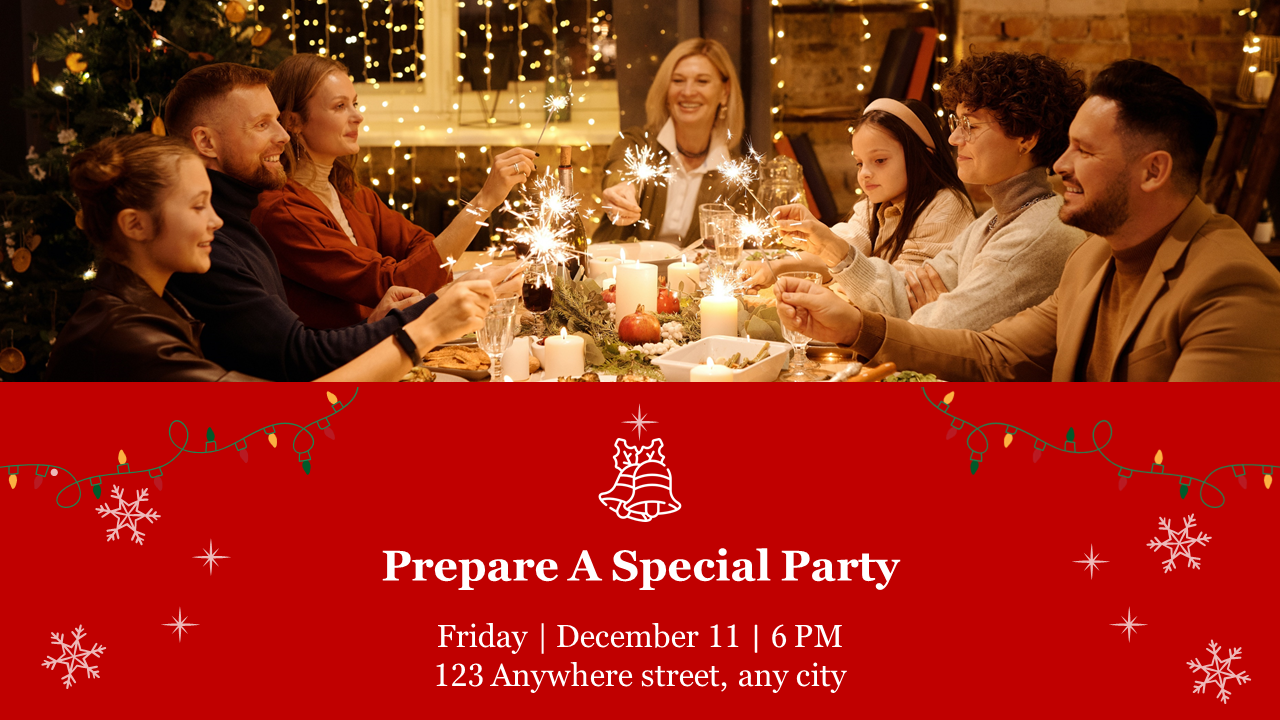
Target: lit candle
[
  {"x": 710, "y": 373},
  {"x": 564, "y": 355},
  {"x": 719, "y": 315},
  {"x": 683, "y": 271},
  {"x": 602, "y": 267},
  {"x": 515, "y": 361},
  {"x": 637, "y": 285}
]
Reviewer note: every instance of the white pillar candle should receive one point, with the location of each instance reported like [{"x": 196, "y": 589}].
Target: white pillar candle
[
  {"x": 637, "y": 285},
  {"x": 564, "y": 356},
  {"x": 607, "y": 283},
  {"x": 602, "y": 267},
  {"x": 685, "y": 272},
  {"x": 515, "y": 361},
  {"x": 719, "y": 315},
  {"x": 710, "y": 373}
]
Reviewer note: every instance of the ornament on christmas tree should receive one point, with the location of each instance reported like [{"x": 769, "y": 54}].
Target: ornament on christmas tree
[
  {"x": 123, "y": 4},
  {"x": 261, "y": 37},
  {"x": 157, "y": 127},
  {"x": 21, "y": 259},
  {"x": 35, "y": 73},
  {"x": 235, "y": 12},
  {"x": 201, "y": 56},
  {"x": 157, "y": 5},
  {"x": 11, "y": 358},
  {"x": 91, "y": 17},
  {"x": 76, "y": 63}
]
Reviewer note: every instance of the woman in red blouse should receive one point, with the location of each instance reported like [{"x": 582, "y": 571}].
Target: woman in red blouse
[{"x": 338, "y": 245}]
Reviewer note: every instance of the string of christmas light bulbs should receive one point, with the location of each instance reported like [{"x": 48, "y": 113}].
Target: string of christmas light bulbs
[
  {"x": 978, "y": 446},
  {"x": 241, "y": 445}
]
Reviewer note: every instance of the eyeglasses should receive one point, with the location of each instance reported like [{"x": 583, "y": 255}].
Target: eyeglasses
[{"x": 964, "y": 122}]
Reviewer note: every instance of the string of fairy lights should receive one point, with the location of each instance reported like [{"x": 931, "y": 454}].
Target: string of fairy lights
[
  {"x": 335, "y": 31},
  {"x": 303, "y": 443},
  {"x": 978, "y": 445}
]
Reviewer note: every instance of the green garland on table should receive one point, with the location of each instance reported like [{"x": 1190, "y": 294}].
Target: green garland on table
[{"x": 580, "y": 308}]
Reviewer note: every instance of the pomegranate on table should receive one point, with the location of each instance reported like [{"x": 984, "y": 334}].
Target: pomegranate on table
[{"x": 640, "y": 327}]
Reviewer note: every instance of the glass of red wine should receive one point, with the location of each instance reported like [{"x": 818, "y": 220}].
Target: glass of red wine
[{"x": 538, "y": 290}]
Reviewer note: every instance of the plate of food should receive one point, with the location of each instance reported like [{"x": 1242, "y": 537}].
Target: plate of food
[
  {"x": 464, "y": 361},
  {"x": 422, "y": 374}
]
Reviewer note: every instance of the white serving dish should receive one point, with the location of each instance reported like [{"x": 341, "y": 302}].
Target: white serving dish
[
  {"x": 644, "y": 251},
  {"x": 677, "y": 364}
]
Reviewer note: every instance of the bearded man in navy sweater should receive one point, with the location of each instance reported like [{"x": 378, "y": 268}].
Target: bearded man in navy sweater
[{"x": 227, "y": 113}]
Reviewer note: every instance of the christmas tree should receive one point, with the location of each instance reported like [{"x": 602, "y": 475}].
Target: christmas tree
[{"x": 106, "y": 75}]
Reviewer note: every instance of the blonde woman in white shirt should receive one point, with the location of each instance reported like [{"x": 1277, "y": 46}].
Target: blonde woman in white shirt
[{"x": 694, "y": 122}]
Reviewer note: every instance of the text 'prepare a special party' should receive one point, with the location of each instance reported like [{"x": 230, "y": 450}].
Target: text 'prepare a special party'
[{"x": 469, "y": 573}]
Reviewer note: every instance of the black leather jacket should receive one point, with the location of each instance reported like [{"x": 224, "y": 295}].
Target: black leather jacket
[{"x": 124, "y": 332}]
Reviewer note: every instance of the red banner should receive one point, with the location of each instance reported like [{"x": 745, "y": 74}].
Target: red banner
[{"x": 668, "y": 550}]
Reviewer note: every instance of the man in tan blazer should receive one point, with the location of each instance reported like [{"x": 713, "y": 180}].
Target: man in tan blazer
[{"x": 1163, "y": 290}]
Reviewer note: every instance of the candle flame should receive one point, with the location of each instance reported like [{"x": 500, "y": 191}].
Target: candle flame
[
  {"x": 684, "y": 258},
  {"x": 709, "y": 363},
  {"x": 564, "y": 333},
  {"x": 624, "y": 259}
]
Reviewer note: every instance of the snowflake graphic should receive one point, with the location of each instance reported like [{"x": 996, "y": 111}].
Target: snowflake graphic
[
  {"x": 127, "y": 514},
  {"x": 1179, "y": 543},
  {"x": 73, "y": 656},
  {"x": 1218, "y": 673}
]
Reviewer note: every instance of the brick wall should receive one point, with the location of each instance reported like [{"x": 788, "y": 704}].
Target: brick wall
[{"x": 1200, "y": 41}]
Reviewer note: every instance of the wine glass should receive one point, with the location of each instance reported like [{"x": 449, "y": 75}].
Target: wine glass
[
  {"x": 497, "y": 333},
  {"x": 538, "y": 291},
  {"x": 802, "y": 369}
]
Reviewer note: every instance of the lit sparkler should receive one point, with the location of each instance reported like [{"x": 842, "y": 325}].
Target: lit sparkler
[
  {"x": 645, "y": 166},
  {"x": 554, "y": 104},
  {"x": 542, "y": 225}
]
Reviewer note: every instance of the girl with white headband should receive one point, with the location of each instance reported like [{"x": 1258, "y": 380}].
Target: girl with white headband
[
  {"x": 1011, "y": 113},
  {"x": 912, "y": 205}
]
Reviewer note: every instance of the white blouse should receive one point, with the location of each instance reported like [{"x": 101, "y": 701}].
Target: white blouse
[{"x": 682, "y": 186}]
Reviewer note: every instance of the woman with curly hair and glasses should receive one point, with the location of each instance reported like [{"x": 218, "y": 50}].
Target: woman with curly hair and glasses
[{"x": 1009, "y": 121}]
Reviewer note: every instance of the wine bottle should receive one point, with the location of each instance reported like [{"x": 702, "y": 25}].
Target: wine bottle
[{"x": 577, "y": 237}]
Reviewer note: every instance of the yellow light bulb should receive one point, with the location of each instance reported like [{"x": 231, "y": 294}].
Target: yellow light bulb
[
  {"x": 333, "y": 399},
  {"x": 1159, "y": 457},
  {"x": 1008, "y": 438},
  {"x": 1266, "y": 481},
  {"x": 949, "y": 397},
  {"x": 13, "y": 481},
  {"x": 122, "y": 458},
  {"x": 272, "y": 439}
]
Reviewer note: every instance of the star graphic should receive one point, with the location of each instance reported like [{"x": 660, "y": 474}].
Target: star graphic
[
  {"x": 210, "y": 558},
  {"x": 639, "y": 422},
  {"x": 1129, "y": 625},
  {"x": 92, "y": 16},
  {"x": 180, "y": 624},
  {"x": 1091, "y": 561}
]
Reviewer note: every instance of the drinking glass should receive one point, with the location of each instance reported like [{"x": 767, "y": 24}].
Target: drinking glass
[
  {"x": 537, "y": 290},
  {"x": 802, "y": 369},
  {"x": 497, "y": 333},
  {"x": 729, "y": 241},
  {"x": 708, "y": 214}
]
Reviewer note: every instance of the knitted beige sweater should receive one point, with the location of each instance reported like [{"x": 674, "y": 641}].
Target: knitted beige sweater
[{"x": 1007, "y": 260}]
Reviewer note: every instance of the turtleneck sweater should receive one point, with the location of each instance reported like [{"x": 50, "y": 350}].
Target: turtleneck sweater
[{"x": 315, "y": 177}]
